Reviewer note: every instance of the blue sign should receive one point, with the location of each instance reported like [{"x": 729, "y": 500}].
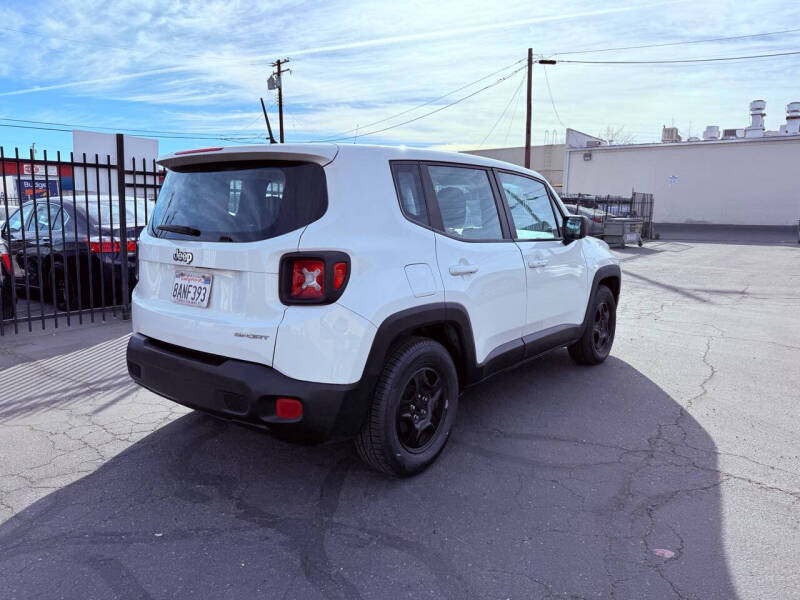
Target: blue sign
[{"x": 39, "y": 188}]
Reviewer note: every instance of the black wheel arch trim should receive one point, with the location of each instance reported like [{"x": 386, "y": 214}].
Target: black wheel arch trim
[{"x": 603, "y": 273}]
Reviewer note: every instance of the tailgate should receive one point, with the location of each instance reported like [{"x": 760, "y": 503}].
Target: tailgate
[{"x": 243, "y": 310}]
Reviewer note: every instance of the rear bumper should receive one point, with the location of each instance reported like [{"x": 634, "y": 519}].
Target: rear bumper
[{"x": 244, "y": 391}]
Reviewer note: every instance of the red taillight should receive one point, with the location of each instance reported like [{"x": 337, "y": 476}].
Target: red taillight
[
  {"x": 110, "y": 246},
  {"x": 597, "y": 219},
  {"x": 318, "y": 277},
  {"x": 308, "y": 279},
  {"x": 105, "y": 247},
  {"x": 6, "y": 261},
  {"x": 339, "y": 274},
  {"x": 288, "y": 408}
]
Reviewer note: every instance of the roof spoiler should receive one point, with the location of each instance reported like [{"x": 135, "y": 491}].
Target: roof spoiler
[{"x": 322, "y": 154}]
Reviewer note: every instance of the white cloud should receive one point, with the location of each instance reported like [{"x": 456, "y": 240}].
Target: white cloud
[{"x": 201, "y": 66}]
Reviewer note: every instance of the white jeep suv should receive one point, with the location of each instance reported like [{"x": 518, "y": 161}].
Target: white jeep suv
[{"x": 322, "y": 291}]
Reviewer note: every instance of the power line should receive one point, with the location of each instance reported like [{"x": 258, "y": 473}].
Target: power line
[
  {"x": 678, "y": 61},
  {"x": 550, "y": 93},
  {"x": 189, "y": 134},
  {"x": 513, "y": 116},
  {"x": 505, "y": 110},
  {"x": 343, "y": 134},
  {"x": 685, "y": 42},
  {"x": 182, "y": 137},
  {"x": 441, "y": 108}
]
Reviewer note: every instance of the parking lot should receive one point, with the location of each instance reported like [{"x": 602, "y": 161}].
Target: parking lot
[{"x": 670, "y": 471}]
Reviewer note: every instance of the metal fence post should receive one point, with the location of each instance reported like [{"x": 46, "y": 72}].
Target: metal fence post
[{"x": 123, "y": 226}]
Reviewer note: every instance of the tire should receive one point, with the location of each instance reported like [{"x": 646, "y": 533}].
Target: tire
[
  {"x": 412, "y": 411},
  {"x": 64, "y": 292},
  {"x": 595, "y": 344},
  {"x": 7, "y": 308}
]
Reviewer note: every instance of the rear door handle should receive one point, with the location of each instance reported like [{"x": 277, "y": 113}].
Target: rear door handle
[
  {"x": 463, "y": 269},
  {"x": 533, "y": 263}
]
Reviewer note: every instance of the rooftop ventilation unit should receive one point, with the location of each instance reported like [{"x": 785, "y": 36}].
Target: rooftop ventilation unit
[
  {"x": 670, "y": 134},
  {"x": 757, "y": 114},
  {"x": 792, "y": 118},
  {"x": 711, "y": 133},
  {"x": 728, "y": 134}
]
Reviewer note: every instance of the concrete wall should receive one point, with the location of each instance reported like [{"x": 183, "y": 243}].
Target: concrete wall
[
  {"x": 743, "y": 182},
  {"x": 547, "y": 160}
]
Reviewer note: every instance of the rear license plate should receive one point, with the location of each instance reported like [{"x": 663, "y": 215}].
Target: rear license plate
[
  {"x": 631, "y": 237},
  {"x": 192, "y": 289}
]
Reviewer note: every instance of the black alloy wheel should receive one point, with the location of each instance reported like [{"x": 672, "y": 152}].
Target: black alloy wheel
[
  {"x": 421, "y": 409},
  {"x": 594, "y": 345},
  {"x": 601, "y": 328}
]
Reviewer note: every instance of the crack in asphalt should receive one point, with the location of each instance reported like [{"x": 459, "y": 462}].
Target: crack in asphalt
[{"x": 98, "y": 416}]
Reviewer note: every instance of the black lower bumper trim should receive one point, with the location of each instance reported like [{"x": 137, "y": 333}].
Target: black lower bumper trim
[{"x": 243, "y": 391}]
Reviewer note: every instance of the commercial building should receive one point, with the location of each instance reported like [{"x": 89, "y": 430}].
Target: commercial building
[
  {"x": 741, "y": 176},
  {"x": 547, "y": 159},
  {"x": 28, "y": 178}
]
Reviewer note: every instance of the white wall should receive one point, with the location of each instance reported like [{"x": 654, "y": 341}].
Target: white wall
[
  {"x": 752, "y": 182},
  {"x": 105, "y": 146},
  {"x": 547, "y": 160}
]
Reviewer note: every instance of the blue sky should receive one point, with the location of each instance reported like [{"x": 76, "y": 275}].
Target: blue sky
[{"x": 198, "y": 68}]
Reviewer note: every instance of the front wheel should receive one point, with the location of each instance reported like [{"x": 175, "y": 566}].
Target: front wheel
[
  {"x": 598, "y": 337},
  {"x": 412, "y": 411}
]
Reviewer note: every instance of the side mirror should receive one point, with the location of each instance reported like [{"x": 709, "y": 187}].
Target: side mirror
[{"x": 574, "y": 228}]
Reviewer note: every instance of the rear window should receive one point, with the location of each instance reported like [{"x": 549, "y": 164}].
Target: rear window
[{"x": 239, "y": 202}]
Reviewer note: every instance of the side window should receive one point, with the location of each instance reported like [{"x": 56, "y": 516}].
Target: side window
[
  {"x": 15, "y": 222},
  {"x": 466, "y": 202},
  {"x": 531, "y": 209},
  {"x": 56, "y": 214},
  {"x": 41, "y": 221},
  {"x": 409, "y": 190}
]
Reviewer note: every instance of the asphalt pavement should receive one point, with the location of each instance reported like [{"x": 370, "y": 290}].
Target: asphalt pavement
[{"x": 670, "y": 471}]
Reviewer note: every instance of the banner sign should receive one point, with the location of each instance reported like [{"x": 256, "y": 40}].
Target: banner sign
[
  {"x": 38, "y": 170},
  {"x": 40, "y": 188}
]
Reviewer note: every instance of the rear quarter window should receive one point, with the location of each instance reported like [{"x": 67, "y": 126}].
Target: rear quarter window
[{"x": 240, "y": 202}]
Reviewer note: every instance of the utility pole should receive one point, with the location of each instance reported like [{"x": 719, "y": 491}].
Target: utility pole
[
  {"x": 280, "y": 98},
  {"x": 529, "y": 117},
  {"x": 529, "y": 111},
  {"x": 277, "y": 82}
]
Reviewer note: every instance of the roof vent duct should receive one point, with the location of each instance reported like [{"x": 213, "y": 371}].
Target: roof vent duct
[
  {"x": 670, "y": 134},
  {"x": 711, "y": 133},
  {"x": 793, "y": 118},
  {"x": 757, "y": 114}
]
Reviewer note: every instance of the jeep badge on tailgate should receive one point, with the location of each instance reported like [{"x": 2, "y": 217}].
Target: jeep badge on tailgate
[{"x": 181, "y": 256}]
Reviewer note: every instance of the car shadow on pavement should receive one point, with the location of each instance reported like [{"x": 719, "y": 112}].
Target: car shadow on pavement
[{"x": 559, "y": 481}]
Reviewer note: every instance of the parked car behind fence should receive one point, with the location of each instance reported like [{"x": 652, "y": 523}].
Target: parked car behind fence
[{"x": 67, "y": 250}]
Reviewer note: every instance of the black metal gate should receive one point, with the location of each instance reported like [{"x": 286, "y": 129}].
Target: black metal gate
[
  {"x": 602, "y": 208},
  {"x": 69, "y": 232}
]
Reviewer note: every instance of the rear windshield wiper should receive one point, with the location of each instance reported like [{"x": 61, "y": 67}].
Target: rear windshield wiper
[{"x": 184, "y": 229}]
